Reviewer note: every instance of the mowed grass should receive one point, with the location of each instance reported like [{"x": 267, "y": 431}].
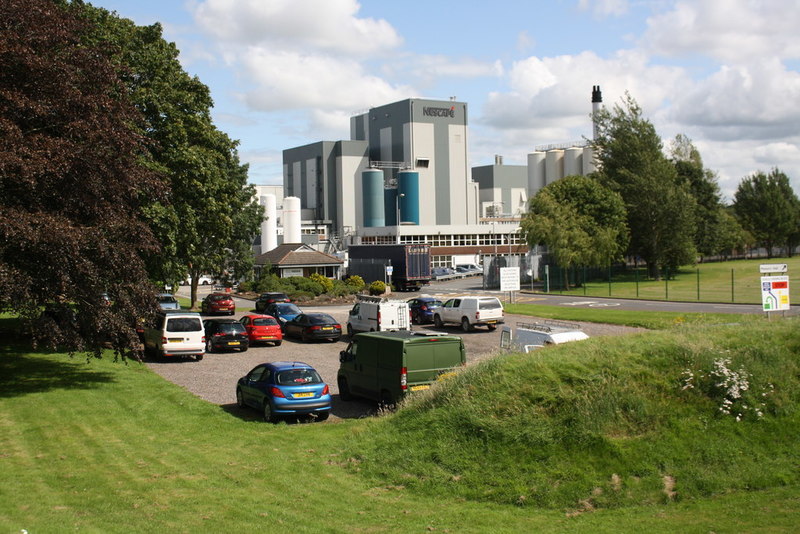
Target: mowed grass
[
  {"x": 99, "y": 446},
  {"x": 732, "y": 281}
]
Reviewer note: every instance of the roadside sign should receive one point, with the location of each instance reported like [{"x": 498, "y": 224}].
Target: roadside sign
[
  {"x": 775, "y": 293},
  {"x": 509, "y": 278},
  {"x": 389, "y": 270},
  {"x": 773, "y": 268}
]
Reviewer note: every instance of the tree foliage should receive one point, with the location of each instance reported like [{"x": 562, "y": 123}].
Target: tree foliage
[
  {"x": 580, "y": 221},
  {"x": 660, "y": 208},
  {"x": 768, "y": 208},
  {"x": 208, "y": 224},
  {"x": 70, "y": 170}
]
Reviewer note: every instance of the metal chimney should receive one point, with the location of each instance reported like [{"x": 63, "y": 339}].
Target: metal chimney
[{"x": 597, "y": 99}]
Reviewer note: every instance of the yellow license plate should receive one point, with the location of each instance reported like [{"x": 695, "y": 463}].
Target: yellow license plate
[
  {"x": 309, "y": 394},
  {"x": 327, "y": 328},
  {"x": 233, "y": 343},
  {"x": 267, "y": 337},
  {"x": 419, "y": 388},
  {"x": 175, "y": 340}
]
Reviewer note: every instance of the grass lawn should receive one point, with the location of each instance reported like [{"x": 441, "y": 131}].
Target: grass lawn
[
  {"x": 733, "y": 281},
  {"x": 99, "y": 446}
]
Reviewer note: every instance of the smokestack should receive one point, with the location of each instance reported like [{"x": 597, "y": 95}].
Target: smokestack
[{"x": 597, "y": 99}]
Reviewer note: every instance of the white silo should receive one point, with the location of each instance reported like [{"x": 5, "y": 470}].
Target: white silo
[
  {"x": 536, "y": 172},
  {"x": 291, "y": 220},
  {"x": 269, "y": 227},
  {"x": 589, "y": 164},
  {"x": 572, "y": 161},
  {"x": 554, "y": 165}
]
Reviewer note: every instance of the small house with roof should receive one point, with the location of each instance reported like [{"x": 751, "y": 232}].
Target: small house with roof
[{"x": 298, "y": 259}]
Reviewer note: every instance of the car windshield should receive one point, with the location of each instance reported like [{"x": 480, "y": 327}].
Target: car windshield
[
  {"x": 490, "y": 304},
  {"x": 297, "y": 377},
  {"x": 431, "y": 303},
  {"x": 184, "y": 324},
  {"x": 219, "y": 297},
  {"x": 231, "y": 328},
  {"x": 264, "y": 321},
  {"x": 321, "y": 319},
  {"x": 167, "y": 299},
  {"x": 288, "y": 309}
]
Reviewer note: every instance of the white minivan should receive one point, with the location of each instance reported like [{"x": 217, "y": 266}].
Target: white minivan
[
  {"x": 470, "y": 312},
  {"x": 378, "y": 314},
  {"x": 176, "y": 333}
]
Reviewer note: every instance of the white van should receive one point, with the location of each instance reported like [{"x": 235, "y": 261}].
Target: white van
[
  {"x": 176, "y": 333},
  {"x": 531, "y": 336},
  {"x": 470, "y": 312},
  {"x": 378, "y": 314}
]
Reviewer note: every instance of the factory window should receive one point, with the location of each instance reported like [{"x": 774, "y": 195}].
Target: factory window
[
  {"x": 441, "y": 261},
  {"x": 423, "y": 163}
]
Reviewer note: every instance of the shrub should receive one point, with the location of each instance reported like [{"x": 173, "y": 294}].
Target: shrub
[
  {"x": 324, "y": 281},
  {"x": 356, "y": 283},
  {"x": 302, "y": 296},
  {"x": 246, "y": 287},
  {"x": 306, "y": 285},
  {"x": 377, "y": 288},
  {"x": 273, "y": 282},
  {"x": 340, "y": 289}
]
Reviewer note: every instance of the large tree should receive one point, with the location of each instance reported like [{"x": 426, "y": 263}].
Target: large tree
[
  {"x": 661, "y": 210},
  {"x": 71, "y": 228},
  {"x": 768, "y": 208},
  {"x": 580, "y": 221},
  {"x": 212, "y": 216}
]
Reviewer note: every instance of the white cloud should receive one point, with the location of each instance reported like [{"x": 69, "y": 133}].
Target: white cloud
[
  {"x": 604, "y": 8},
  {"x": 732, "y": 31},
  {"x": 330, "y": 26}
]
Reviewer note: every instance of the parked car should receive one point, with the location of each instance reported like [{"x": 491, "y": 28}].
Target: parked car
[
  {"x": 378, "y": 314},
  {"x": 284, "y": 388},
  {"x": 167, "y": 301},
  {"x": 218, "y": 303},
  {"x": 265, "y": 299},
  {"x": 202, "y": 280},
  {"x": 262, "y": 329},
  {"x": 470, "y": 312},
  {"x": 283, "y": 312},
  {"x": 439, "y": 272},
  {"x": 308, "y": 326},
  {"x": 423, "y": 309},
  {"x": 469, "y": 268},
  {"x": 225, "y": 334},
  {"x": 175, "y": 333}
]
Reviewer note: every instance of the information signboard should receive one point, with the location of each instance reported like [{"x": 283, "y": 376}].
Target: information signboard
[
  {"x": 775, "y": 293},
  {"x": 509, "y": 278}
]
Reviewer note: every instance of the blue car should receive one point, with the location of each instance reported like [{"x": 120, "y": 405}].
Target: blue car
[
  {"x": 423, "y": 309},
  {"x": 283, "y": 312},
  {"x": 284, "y": 388}
]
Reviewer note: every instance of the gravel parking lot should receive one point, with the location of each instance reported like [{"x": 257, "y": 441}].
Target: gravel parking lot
[{"x": 214, "y": 378}]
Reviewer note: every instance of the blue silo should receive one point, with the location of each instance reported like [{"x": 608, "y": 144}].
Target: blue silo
[
  {"x": 372, "y": 191},
  {"x": 408, "y": 189},
  {"x": 390, "y": 205}
]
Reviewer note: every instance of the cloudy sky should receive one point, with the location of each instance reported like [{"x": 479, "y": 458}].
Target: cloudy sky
[{"x": 285, "y": 73}]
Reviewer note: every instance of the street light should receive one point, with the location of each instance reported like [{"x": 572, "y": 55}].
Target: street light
[{"x": 399, "y": 196}]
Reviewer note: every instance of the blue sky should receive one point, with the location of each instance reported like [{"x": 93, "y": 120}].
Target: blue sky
[{"x": 285, "y": 73}]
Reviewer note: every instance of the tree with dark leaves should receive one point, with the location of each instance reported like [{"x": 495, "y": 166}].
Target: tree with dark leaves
[{"x": 72, "y": 235}]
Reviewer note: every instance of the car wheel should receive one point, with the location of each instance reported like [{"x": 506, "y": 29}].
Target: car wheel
[
  {"x": 239, "y": 398},
  {"x": 269, "y": 416},
  {"x": 344, "y": 389},
  {"x": 244, "y": 349},
  {"x": 492, "y": 327},
  {"x": 387, "y": 401},
  {"x": 305, "y": 337},
  {"x": 198, "y": 357},
  {"x": 322, "y": 416},
  {"x": 437, "y": 321},
  {"x": 465, "y": 326},
  {"x": 278, "y": 343},
  {"x": 350, "y": 330},
  {"x": 209, "y": 346}
]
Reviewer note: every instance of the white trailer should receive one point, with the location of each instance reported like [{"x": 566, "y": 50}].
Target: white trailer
[
  {"x": 378, "y": 314},
  {"x": 527, "y": 337}
]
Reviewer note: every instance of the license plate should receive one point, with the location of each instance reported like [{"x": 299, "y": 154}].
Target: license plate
[
  {"x": 419, "y": 388},
  {"x": 309, "y": 394},
  {"x": 491, "y": 322},
  {"x": 266, "y": 337},
  {"x": 327, "y": 328},
  {"x": 233, "y": 343},
  {"x": 175, "y": 340}
]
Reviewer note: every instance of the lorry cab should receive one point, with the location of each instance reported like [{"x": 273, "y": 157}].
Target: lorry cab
[
  {"x": 378, "y": 314},
  {"x": 386, "y": 366},
  {"x": 528, "y": 337}
]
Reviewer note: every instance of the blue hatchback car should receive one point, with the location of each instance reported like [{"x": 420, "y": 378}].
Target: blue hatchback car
[
  {"x": 284, "y": 388},
  {"x": 423, "y": 309},
  {"x": 283, "y": 312}
]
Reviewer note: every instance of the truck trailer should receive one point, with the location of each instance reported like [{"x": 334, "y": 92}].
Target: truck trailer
[{"x": 409, "y": 266}]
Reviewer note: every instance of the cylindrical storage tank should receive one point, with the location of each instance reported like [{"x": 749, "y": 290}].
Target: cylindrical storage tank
[
  {"x": 572, "y": 161},
  {"x": 372, "y": 195},
  {"x": 589, "y": 164},
  {"x": 291, "y": 220},
  {"x": 269, "y": 228},
  {"x": 390, "y": 206},
  {"x": 536, "y": 172},
  {"x": 408, "y": 189},
  {"x": 554, "y": 166}
]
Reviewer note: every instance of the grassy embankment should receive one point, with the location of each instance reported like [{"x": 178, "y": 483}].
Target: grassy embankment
[
  {"x": 732, "y": 281},
  {"x": 514, "y": 444}
]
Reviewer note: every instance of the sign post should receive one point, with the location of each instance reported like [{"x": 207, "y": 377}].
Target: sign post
[
  {"x": 774, "y": 289},
  {"x": 509, "y": 280}
]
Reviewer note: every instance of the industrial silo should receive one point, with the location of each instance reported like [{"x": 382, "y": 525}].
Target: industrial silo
[
  {"x": 589, "y": 164},
  {"x": 554, "y": 166},
  {"x": 408, "y": 189},
  {"x": 372, "y": 194},
  {"x": 390, "y": 205},
  {"x": 572, "y": 161},
  {"x": 536, "y": 172},
  {"x": 269, "y": 226},
  {"x": 291, "y": 220}
]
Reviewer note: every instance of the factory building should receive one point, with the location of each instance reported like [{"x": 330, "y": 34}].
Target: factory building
[{"x": 404, "y": 177}]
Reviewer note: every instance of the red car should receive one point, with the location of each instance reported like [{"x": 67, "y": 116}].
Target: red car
[
  {"x": 262, "y": 329},
  {"x": 218, "y": 303}
]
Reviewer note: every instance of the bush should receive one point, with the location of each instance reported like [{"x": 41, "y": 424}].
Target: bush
[
  {"x": 302, "y": 296},
  {"x": 246, "y": 287},
  {"x": 340, "y": 289},
  {"x": 377, "y": 288},
  {"x": 272, "y": 282},
  {"x": 356, "y": 283},
  {"x": 324, "y": 281},
  {"x": 306, "y": 285}
]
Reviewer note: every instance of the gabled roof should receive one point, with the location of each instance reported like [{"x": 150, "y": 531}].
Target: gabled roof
[{"x": 296, "y": 254}]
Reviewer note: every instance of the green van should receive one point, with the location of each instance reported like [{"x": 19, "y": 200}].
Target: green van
[{"x": 385, "y": 366}]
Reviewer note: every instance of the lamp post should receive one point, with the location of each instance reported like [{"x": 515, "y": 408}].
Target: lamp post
[{"x": 399, "y": 196}]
